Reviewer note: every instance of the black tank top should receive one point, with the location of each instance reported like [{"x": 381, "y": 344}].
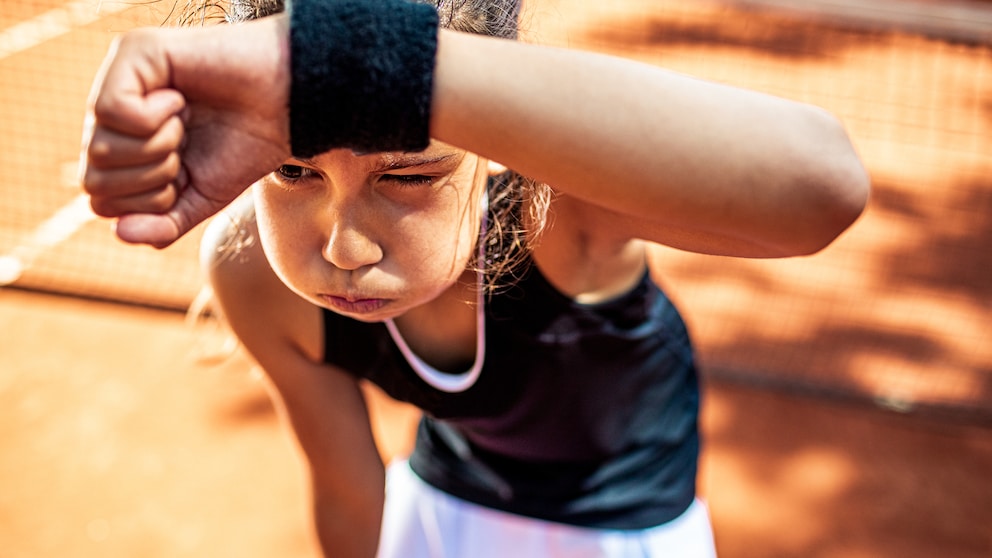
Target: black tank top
[{"x": 583, "y": 414}]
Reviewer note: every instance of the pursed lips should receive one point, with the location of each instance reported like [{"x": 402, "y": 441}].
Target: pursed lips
[{"x": 354, "y": 305}]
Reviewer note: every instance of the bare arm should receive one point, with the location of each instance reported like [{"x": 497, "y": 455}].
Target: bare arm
[
  {"x": 324, "y": 406},
  {"x": 675, "y": 159},
  {"x": 667, "y": 158},
  {"x": 181, "y": 121}
]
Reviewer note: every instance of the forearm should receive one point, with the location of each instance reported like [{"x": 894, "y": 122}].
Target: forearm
[
  {"x": 649, "y": 143},
  {"x": 346, "y": 531}
]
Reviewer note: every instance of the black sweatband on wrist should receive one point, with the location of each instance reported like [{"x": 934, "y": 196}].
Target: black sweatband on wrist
[{"x": 362, "y": 75}]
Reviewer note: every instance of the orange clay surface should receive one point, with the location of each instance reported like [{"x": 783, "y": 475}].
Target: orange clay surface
[{"x": 125, "y": 432}]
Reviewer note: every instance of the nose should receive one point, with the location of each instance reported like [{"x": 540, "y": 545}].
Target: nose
[{"x": 349, "y": 248}]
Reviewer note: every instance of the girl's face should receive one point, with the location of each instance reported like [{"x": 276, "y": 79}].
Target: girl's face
[{"x": 372, "y": 236}]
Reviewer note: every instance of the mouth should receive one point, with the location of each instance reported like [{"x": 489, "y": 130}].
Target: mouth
[{"x": 351, "y": 305}]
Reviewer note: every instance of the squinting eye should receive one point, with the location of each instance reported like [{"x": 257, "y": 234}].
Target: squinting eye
[
  {"x": 409, "y": 179},
  {"x": 293, "y": 172}
]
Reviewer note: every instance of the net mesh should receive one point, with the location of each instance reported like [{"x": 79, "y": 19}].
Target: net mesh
[
  {"x": 49, "y": 53},
  {"x": 898, "y": 310}
]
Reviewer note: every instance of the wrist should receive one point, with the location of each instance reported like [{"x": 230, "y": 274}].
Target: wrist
[{"x": 361, "y": 75}]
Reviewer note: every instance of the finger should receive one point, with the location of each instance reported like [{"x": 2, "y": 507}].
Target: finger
[
  {"x": 136, "y": 114},
  {"x": 161, "y": 230},
  {"x": 145, "y": 228},
  {"x": 109, "y": 149},
  {"x": 130, "y": 94},
  {"x": 193, "y": 207},
  {"x": 128, "y": 181},
  {"x": 156, "y": 201}
]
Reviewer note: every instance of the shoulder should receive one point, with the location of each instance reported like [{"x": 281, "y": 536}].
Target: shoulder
[
  {"x": 265, "y": 314},
  {"x": 587, "y": 253}
]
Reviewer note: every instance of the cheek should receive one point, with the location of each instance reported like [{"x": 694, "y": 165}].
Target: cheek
[
  {"x": 283, "y": 239},
  {"x": 454, "y": 235}
]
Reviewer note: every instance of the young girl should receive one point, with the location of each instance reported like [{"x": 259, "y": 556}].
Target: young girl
[{"x": 557, "y": 381}]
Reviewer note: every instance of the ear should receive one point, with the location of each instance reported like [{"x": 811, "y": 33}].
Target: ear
[{"x": 495, "y": 168}]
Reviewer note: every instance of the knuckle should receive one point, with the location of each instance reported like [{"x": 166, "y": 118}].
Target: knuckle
[
  {"x": 173, "y": 131},
  {"x": 168, "y": 169},
  {"x": 162, "y": 200},
  {"x": 93, "y": 181},
  {"x": 134, "y": 39},
  {"x": 107, "y": 107},
  {"x": 167, "y": 139},
  {"x": 104, "y": 207},
  {"x": 173, "y": 163},
  {"x": 99, "y": 152}
]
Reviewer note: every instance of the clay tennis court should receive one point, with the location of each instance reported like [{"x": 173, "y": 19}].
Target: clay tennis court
[{"x": 848, "y": 403}]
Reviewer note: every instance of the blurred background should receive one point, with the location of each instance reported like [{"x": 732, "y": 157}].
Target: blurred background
[{"x": 848, "y": 409}]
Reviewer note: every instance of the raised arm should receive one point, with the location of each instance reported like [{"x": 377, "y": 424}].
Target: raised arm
[
  {"x": 183, "y": 120},
  {"x": 679, "y": 160}
]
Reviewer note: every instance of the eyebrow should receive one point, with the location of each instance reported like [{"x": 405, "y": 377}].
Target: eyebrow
[
  {"x": 389, "y": 162},
  {"x": 394, "y": 162}
]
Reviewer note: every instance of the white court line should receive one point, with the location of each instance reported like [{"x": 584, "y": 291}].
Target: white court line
[
  {"x": 55, "y": 23},
  {"x": 51, "y": 232},
  {"x": 71, "y": 217}
]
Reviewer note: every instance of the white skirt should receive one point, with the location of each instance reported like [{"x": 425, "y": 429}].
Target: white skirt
[{"x": 421, "y": 521}]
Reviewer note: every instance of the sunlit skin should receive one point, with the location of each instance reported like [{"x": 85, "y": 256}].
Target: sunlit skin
[
  {"x": 180, "y": 121},
  {"x": 374, "y": 236}
]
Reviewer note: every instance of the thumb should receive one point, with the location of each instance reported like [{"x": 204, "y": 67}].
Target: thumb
[
  {"x": 147, "y": 228},
  {"x": 162, "y": 230}
]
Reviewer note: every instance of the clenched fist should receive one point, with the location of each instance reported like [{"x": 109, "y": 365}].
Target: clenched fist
[{"x": 181, "y": 121}]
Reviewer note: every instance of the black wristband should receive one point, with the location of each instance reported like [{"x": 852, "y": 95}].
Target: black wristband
[{"x": 362, "y": 75}]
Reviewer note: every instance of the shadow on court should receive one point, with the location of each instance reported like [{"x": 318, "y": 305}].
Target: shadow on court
[
  {"x": 122, "y": 435},
  {"x": 117, "y": 441},
  {"x": 897, "y": 310}
]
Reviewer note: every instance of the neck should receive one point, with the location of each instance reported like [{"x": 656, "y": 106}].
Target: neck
[{"x": 442, "y": 332}]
